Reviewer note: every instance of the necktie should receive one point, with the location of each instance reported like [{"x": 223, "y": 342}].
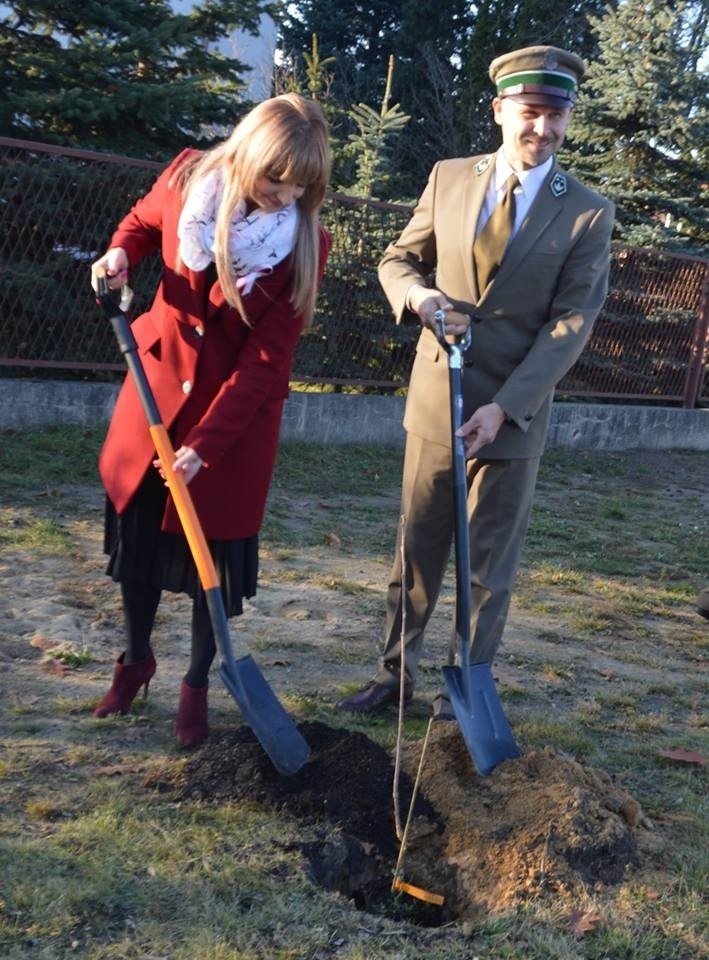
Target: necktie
[{"x": 491, "y": 243}]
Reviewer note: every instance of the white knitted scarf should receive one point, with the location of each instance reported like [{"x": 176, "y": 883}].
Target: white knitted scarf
[{"x": 258, "y": 241}]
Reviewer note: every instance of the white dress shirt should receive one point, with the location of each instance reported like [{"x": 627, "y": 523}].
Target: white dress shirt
[{"x": 530, "y": 182}]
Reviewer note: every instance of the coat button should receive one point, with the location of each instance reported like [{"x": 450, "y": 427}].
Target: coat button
[
  {"x": 198, "y": 331},
  {"x": 186, "y": 386}
]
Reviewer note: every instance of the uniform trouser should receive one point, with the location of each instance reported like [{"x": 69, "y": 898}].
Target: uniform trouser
[{"x": 500, "y": 494}]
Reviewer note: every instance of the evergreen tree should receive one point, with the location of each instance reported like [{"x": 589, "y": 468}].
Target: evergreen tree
[
  {"x": 426, "y": 39},
  {"x": 312, "y": 75},
  {"x": 640, "y": 128},
  {"x": 371, "y": 143},
  {"x": 128, "y": 76}
]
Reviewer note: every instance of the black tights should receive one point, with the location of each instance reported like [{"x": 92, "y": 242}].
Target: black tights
[{"x": 140, "y": 604}]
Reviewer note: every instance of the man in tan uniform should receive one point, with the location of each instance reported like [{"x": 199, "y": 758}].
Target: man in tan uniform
[{"x": 531, "y": 311}]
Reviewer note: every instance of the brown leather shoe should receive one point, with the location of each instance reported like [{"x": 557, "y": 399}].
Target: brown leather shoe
[
  {"x": 703, "y": 603},
  {"x": 373, "y": 696}
]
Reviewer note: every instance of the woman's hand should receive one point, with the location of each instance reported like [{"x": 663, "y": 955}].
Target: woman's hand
[
  {"x": 187, "y": 462},
  {"x": 115, "y": 266}
]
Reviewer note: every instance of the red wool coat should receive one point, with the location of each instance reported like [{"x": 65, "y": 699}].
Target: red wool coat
[{"x": 220, "y": 385}]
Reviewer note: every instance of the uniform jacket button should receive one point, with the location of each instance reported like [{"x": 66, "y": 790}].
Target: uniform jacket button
[{"x": 186, "y": 386}]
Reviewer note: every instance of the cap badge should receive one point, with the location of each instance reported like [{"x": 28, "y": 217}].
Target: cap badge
[
  {"x": 558, "y": 185},
  {"x": 482, "y": 165},
  {"x": 551, "y": 61}
]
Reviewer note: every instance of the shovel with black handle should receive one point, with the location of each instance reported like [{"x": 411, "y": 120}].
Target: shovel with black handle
[
  {"x": 274, "y": 729},
  {"x": 471, "y": 687}
]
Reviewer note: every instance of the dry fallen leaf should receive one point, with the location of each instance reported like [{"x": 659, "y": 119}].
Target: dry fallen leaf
[
  {"x": 280, "y": 663},
  {"x": 374, "y": 472},
  {"x": 581, "y": 922},
  {"x": 41, "y": 643},
  {"x": 332, "y": 540},
  {"x": 683, "y": 756}
]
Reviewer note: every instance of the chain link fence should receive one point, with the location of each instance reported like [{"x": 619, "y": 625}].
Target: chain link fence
[{"x": 58, "y": 208}]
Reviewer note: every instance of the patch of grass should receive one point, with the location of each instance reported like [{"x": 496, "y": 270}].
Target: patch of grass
[
  {"x": 651, "y": 723},
  {"x": 542, "y": 732},
  {"x": 42, "y": 536},
  {"x": 43, "y": 808},
  {"x": 546, "y": 574},
  {"x": 556, "y": 672},
  {"x": 545, "y": 607},
  {"x": 588, "y": 621},
  {"x": 71, "y": 658},
  {"x": 38, "y": 460},
  {"x": 348, "y": 588},
  {"x": 70, "y": 706},
  {"x": 351, "y": 470},
  {"x": 516, "y": 695},
  {"x": 615, "y": 509}
]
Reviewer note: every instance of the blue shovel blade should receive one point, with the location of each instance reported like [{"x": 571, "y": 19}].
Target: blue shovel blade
[
  {"x": 263, "y": 711},
  {"x": 480, "y": 716}
]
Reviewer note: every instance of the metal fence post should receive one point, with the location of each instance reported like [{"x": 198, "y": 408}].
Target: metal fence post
[{"x": 699, "y": 354}]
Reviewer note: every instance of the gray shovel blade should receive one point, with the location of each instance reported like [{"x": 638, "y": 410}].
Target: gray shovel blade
[
  {"x": 264, "y": 713},
  {"x": 479, "y": 713}
]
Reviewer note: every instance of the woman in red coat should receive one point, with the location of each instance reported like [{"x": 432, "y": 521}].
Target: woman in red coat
[{"x": 242, "y": 256}]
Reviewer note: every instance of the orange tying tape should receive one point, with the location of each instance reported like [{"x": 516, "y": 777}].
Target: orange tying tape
[{"x": 417, "y": 892}]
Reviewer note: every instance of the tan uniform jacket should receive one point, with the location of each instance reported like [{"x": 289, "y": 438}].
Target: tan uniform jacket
[{"x": 530, "y": 323}]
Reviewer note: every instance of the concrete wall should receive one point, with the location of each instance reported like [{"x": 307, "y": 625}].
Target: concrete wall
[{"x": 345, "y": 418}]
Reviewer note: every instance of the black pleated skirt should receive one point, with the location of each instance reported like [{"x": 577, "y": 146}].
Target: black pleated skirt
[{"x": 139, "y": 550}]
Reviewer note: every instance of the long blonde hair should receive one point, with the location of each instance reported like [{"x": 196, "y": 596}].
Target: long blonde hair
[{"x": 285, "y": 138}]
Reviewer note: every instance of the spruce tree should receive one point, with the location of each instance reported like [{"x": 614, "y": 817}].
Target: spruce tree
[
  {"x": 127, "y": 76},
  {"x": 639, "y": 131},
  {"x": 421, "y": 35}
]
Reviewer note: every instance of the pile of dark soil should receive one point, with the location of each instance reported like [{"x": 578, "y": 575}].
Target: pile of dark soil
[{"x": 541, "y": 824}]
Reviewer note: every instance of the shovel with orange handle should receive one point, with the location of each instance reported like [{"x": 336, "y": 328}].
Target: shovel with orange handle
[{"x": 274, "y": 729}]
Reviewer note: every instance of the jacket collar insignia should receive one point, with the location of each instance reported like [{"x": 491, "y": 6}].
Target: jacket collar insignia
[
  {"x": 482, "y": 165},
  {"x": 558, "y": 185}
]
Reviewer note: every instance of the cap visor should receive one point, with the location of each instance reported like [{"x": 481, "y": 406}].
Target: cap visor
[{"x": 541, "y": 99}]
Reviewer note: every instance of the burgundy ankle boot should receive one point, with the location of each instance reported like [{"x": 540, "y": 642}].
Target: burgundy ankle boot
[
  {"x": 127, "y": 681},
  {"x": 191, "y": 725}
]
